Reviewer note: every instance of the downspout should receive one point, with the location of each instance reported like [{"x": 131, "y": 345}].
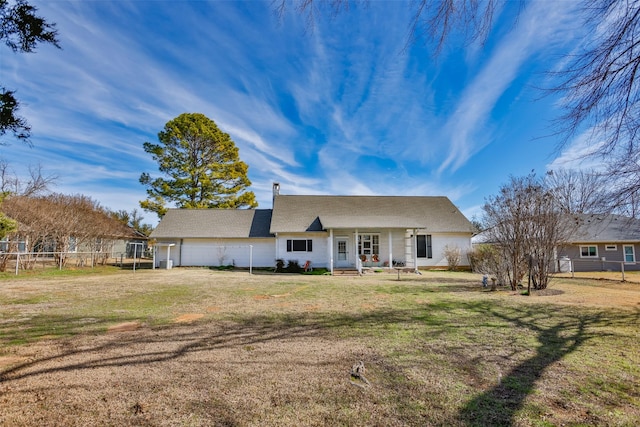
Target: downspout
[
  {"x": 276, "y": 251},
  {"x": 180, "y": 253}
]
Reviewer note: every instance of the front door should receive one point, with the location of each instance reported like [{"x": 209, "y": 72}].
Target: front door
[{"x": 342, "y": 253}]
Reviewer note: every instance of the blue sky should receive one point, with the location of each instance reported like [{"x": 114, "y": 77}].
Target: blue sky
[{"x": 342, "y": 109}]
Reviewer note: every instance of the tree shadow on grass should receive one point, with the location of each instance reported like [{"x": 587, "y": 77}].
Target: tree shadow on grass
[
  {"x": 176, "y": 340},
  {"x": 499, "y": 405},
  {"x": 556, "y": 335}
]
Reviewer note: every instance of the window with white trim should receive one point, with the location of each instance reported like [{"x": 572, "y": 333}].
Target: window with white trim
[
  {"x": 629, "y": 253},
  {"x": 299, "y": 245},
  {"x": 588, "y": 252},
  {"x": 611, "y": 247},
  {"x": 368, "y": 244}
]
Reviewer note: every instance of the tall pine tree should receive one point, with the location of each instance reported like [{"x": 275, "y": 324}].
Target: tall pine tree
[{"x": 200, "y": 165}]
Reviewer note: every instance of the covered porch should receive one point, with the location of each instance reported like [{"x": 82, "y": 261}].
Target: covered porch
[{"x": 372, "y": 248}]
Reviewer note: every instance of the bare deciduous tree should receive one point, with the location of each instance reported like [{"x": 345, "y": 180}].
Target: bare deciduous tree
[
  {"x": 63, "y": 223},
  {"x": 624, "y": 180},
  {"x": 579, "y": 191},
  {"x": 433, "y": 19},
  {"x": 35, "y": 185},
  {"x": 600, "y": 84},
  {"x": 526, "y": 226}
]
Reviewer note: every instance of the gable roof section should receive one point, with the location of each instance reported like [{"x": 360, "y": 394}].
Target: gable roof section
[
  {"x": 592, "y": 228},
  {"x": 214, "y": 223},
  {"x": 295, "y": 214}
]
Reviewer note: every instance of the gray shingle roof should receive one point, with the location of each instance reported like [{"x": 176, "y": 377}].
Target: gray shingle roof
[
  {"x": 214, "y": 223},
  {"x": 314, "y": 213},
  {"x": 592, "y": 228}
]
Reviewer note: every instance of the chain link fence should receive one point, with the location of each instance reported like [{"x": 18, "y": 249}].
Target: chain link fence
[{"x": 29, "y": 261}]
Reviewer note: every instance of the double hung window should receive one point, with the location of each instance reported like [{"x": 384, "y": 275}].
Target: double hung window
[{"x": 588, "y": 251}]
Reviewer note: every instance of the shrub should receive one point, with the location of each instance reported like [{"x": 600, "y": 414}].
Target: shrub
[
  {"x": 453, "y": 254},
  {"x": 487, "y": 259},
  {"x": 293, "y": 266}
]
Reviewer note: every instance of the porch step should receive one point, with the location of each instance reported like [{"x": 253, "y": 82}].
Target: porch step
[{"x": 345, "y": 272}]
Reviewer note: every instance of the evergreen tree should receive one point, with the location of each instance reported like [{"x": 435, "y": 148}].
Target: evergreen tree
[
  {"x": 21, "y": 30},
  {"x": 200, "y": 165}
]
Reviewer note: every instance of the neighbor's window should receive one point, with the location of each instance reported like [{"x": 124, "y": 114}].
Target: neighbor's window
[
  {"x": 629, "y": 253},
  {"x": 588, "y": 251},
  {"x": 611, "y": 247},
  {"x": 299, "y": 245},
  {"x": 424, "y": 248}
]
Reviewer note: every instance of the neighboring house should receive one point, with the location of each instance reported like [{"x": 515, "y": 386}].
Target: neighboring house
[
  {"x": 595, "y": 243},
  {"x": 136, "y": 245},
  {"x": 603, "y": 242},
  {"x": 329, "y": 231}
]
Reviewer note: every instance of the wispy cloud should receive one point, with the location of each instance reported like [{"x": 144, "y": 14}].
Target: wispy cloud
[
  {"x": 340, "y": 110},
  {"x": 579, "y": 154},
  {"x": 469, "y": 126}
]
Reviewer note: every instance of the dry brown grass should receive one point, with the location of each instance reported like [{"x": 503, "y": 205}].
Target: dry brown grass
[{"x": 193, "y": 347}]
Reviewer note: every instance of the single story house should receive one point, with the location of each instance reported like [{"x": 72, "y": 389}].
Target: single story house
[
  {"x": 332, "y": 232},
  {"x": 603, "y": 242},
  {"x": 596, "y": 242},
  {"x": 214, "y": 237}
]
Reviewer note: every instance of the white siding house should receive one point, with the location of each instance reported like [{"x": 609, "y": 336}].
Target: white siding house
[
  {"x": 215, "y": 237},
  {"x": 329, "y": 231}
]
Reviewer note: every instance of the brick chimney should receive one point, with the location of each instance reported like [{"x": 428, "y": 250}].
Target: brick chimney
[{"x": 276, "y": 190}]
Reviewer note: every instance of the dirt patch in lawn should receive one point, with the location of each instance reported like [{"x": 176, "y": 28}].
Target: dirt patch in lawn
[
  {"x": 6, "y": 361},
  {"x": 548, "y": 292},
  {"x": 124, "y": 327},
  {"x": 188, "y": 317}
]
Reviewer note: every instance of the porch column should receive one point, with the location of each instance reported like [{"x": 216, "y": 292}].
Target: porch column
[
  {"x": 331, "y": 250},
  {"x": 355, "y": 250},
  {"x": 414, "y": 249},
  {"x": 390, "y": 249}
]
